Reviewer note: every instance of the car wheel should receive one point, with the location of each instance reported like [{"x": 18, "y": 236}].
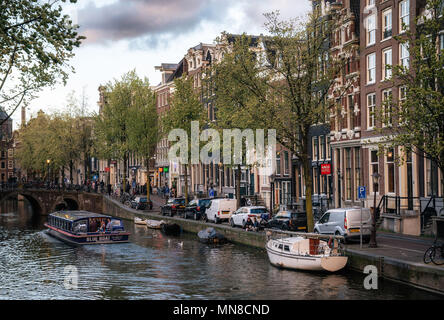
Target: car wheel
[
  {"x": 217, "y": 220},
  {"x": 285, "y": 227}
]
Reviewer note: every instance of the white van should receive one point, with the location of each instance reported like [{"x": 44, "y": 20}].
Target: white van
[
  {"x": 220, "y": 209},
  {"x": 345, "y": 222}
]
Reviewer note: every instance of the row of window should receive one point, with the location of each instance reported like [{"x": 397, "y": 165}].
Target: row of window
[
  {"x": 371, "y": 24},
  {"x": 387, "y": 62},
  {"x": 162, "y": 99},
  {"x": 321, "y": 148},
  {"x": 10, "y": 165},
  {"x": 10, "y": 153},
  {"x": 286, "y": 159},
  {"x": 371, "y": 107}
]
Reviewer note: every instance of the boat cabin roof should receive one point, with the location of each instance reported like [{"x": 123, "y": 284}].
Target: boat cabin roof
[{"x": 78, "y": 215}]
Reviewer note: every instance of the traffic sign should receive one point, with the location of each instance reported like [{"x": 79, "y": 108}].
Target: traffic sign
[{"x": 362, "y": 192}]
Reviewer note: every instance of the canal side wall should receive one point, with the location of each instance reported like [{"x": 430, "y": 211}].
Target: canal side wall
[
  {"x": 410, "y": 273},
  {"x": 418, "y": 275},
  {"x": 235, "y": 235}
]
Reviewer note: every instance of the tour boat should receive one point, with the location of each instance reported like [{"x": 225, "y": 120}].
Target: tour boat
[
  {"x": 306, "y": 253},
  {"x": 154, "y": 224},
  {"x": 83, "y": 227},
  {"x": 138, "y": 220}
]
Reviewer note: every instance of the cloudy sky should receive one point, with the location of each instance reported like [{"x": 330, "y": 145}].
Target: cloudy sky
[{"x": 141, "y": 34}]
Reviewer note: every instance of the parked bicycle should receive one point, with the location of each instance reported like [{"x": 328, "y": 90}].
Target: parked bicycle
[{"x": 435, "y": 254}]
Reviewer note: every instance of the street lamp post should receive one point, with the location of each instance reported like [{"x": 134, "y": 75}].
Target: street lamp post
[
  {"x": 372, "y": 243},
  {"x": 47, "y": 165}
]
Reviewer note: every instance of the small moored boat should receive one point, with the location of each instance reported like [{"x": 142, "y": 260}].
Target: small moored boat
[
  {"x": 210, "y": 235},
  {"x": 138, "y": 220},
  {"x": 154, "y": 224},
  {"x": 172, "y": 229},
  {"x": 83, "y": 227},
  {"x": 306, "y": 252}
]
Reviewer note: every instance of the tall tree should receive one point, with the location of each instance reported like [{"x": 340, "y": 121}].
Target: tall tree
[
  {"x": 185, "y": 108},
  {"x": 143, "y": 123},
  {"x": 36, "y": 43},
  {"x": 111, "y": 127},
  {"x": 235, "y": 104},
  {"x": 290, "y": 78}
]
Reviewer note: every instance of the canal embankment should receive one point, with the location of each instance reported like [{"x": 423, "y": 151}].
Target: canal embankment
[{"x": 392, "y": 262}]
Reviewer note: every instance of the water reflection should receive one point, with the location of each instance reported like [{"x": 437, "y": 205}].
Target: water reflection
[{"x": 154, "y": 266}]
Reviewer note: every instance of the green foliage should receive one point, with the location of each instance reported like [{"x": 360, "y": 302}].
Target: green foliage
[
  {"x": 128, "y": 122},
  {"x": 281, "y": 81},
  {"x": 185, "y": 108},
  {"x": 57, "y": 137},
  {"x": 36, "y": 42}
]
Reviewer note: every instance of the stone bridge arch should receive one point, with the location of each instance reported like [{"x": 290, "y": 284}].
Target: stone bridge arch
[
  {"x": 46, "y": 201},
  {"x": 37, "y": 205},
  {"x": 65, "y": 202}
]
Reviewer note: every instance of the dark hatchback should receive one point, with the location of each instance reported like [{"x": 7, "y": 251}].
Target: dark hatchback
[
  {"x": 173, "y": 207},
  {"x": 196, "y": 209},
  {"x": 289, "y": 220},
  {"x": 141, "y": 203}
]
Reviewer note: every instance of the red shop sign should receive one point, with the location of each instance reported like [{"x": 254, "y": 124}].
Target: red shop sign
[{"x": 326, "y": 168}]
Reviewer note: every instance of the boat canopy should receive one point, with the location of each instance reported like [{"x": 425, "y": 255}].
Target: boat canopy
[{"x": 78, "y": 215}]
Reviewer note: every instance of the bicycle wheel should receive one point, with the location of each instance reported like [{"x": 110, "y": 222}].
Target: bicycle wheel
[
  {"x": 428, "y": 255},
  {"x": 438, "y": 256}
]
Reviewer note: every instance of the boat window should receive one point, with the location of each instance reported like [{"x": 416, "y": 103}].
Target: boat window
[
  {"x": 80, "y": 226},
  {"x": 280, "y": 246},
  {"x": 286, "y": 248},
  {"x": 115, "y": 223}
]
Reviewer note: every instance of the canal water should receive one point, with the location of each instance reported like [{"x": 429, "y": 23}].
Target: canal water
[{"x": 155, "y": 266}]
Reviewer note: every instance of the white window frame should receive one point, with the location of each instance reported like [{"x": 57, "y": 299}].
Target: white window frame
[
  {"x": 371, "y": 29},
  {"x": 404, "y": 60},
  {"x": 371, "y": 111},
  {"x": 371, "y": 70},
  {"x": 404, "y": 14},
  {"x": 385, "y": 95},
  {"x": 387, "y": 72},
  {"x": 387, "y": 26}
]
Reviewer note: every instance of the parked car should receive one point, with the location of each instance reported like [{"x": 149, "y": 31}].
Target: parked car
[
  {"x": 173, "y": 206},
  {"x": 240, "y": 216},
  {"x": 289, "y": 220},
  {"x": 196, "y": 209},
  {"x": 345, "y": 222},
  {"x": 141, "y": 203},
  {"x": 219, "y": 210}
]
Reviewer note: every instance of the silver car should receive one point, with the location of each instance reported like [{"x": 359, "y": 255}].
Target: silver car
[{"x": 345, "y": 222}]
